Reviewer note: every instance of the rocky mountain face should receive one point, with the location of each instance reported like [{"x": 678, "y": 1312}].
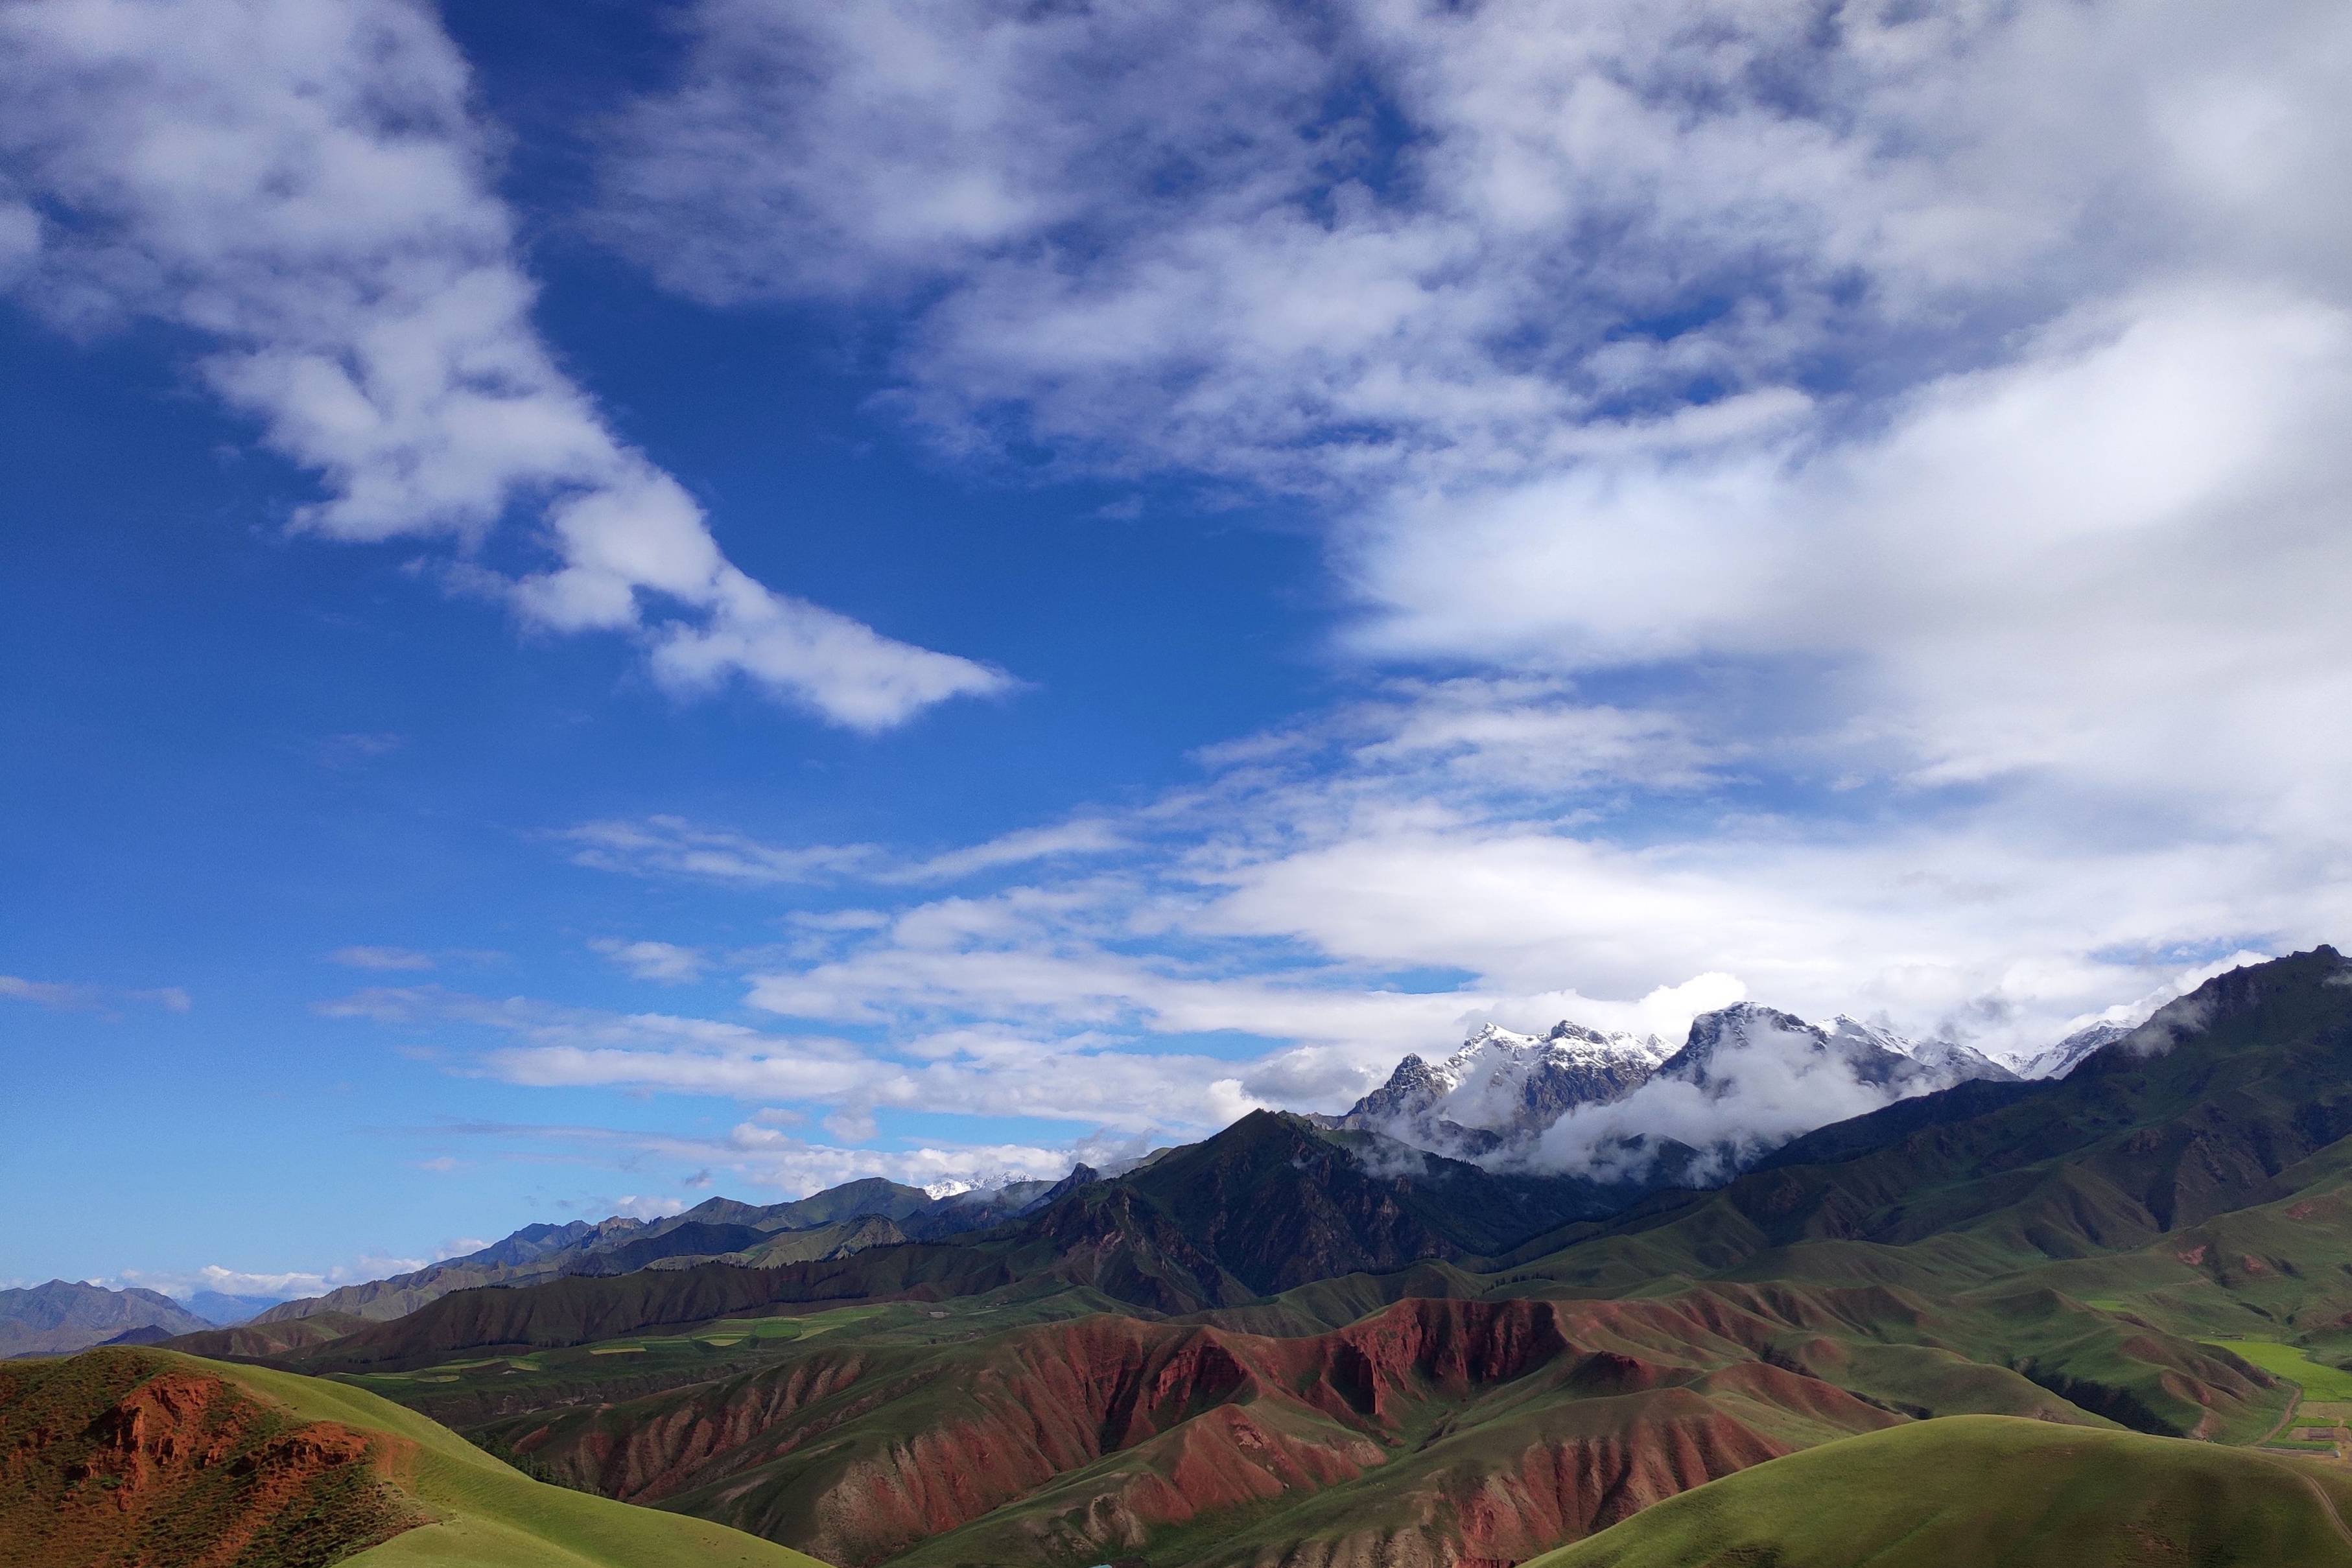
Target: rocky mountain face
[{"x": 65, "y": 1315}]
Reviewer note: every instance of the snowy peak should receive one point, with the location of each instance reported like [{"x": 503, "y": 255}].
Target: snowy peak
[
  {"x": 2072, "y": 1052},
  {"x": 1853, "y": 1031},
  {"x": 1944, "y": 1060},
  {"x": 1501, "y": 1084},
  {"x": 1741, "y": 1030},
  {"x": 1870, "y": 1053},
  {"x": 1501, "y": 1091}
]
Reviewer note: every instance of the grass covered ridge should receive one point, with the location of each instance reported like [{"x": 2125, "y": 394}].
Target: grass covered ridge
[
  {"x": 367, "y": 1467},
  {"x": 1994, "y": 1490}
]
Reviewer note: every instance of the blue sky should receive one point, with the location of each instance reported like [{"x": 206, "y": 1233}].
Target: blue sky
[{"x": 603, "y": 606}]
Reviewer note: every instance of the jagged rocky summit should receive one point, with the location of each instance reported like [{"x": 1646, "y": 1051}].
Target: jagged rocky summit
[
  {"x": 1502, "y": 1086},
  {"x": 1503, "y": 1089}
]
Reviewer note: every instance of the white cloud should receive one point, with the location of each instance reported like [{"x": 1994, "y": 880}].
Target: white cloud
[
  {"x": 1883, "y": 472},
  {"x": 672, "y": 846},
  {"x": 381, "y": 958},
  {"x": 662, "y": 962},
  {"x": 47, "y": 993},
  {"x": 281, "y": 1282},
  {"x": 67, "y": 997},
  {"x": 1766, "y": 1087},
  {"x": 666, "y": 845},
  {"x": 301, "y": 184}
]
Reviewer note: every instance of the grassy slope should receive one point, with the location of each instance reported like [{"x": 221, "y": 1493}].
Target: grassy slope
[
  {"x": 492, "y": 1516},
  {"x": 1993, "y": 1489},
  {"x": 2058, "y": 1250}
]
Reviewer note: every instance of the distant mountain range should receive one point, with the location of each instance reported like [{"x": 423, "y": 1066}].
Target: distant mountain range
[
  {"x": 1312, "y": 1345},
  {"x": 1480, "y": 1105},
  {"x": 1487, "y": 1102},
  {"x": 828, "y": 1225},
  {"x": 64, "y": 1316},
  {"x": 1304, "y": 1343}
]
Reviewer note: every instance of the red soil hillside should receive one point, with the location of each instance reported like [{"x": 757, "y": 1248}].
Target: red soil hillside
[
  {"x": 177, "y": 1466},
  {"x": 1107, "y": 1431}
]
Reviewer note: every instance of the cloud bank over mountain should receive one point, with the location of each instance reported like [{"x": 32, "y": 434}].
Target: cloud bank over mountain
[{"x": 1838, "y": 508}]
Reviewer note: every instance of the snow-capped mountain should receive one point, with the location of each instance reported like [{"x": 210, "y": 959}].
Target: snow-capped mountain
[
  {"x": 2072, "y": 1052},
  {"x": 1503, "y": 1089},
  {"x": 1935, "y": 1063},
  {"x": 1502, "y": 1085},
  {"x": 1872, "y": 1053}
]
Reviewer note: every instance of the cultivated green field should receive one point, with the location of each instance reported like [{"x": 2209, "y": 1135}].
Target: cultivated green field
[
  {"x": 492, "y": 1516},
  {"x": 1992, "y": 1489},
  {"x": 2319, "y": 1380}
]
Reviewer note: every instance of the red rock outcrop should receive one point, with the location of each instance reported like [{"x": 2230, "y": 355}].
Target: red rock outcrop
[
  {"x": 176, "y": 1466},
  {"x": 857, "y": 1463}
]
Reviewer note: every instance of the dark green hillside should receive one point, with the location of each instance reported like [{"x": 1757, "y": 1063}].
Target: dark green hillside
[{"x": 1998, "y": 1178}]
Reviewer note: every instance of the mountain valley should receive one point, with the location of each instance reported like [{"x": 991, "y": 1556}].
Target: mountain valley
[{"x": 1308, "y": 1343}]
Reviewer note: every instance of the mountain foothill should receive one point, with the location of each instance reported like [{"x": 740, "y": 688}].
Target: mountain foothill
[{"x": 1577, "y": 1297}]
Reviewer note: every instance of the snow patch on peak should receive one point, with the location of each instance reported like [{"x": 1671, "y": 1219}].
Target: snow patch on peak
[
  {"x": 1501, "y": 1085},
  {"x": 1846, "y": 1027},
  {"x": 938, "y": 1190}
]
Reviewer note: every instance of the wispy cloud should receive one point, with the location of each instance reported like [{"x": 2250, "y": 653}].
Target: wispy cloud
[
  {"x": 672, "y": 846},
  {"x": 664, "y": 845},
  {"x": 49, "y": 993},
  {"x": 381, "y": 958},
  {"x": 761, "y": 1152},
  {"x": 662, "y": 962},
  {"x": 69, "y": 997},
  {"x": 1862, "y": 470},
  {"x": 301, "y": 186}
]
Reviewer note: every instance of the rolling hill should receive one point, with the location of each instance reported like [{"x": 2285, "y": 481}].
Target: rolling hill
[
  {"x": 1297, "y": 1346},
  {"x": 141, "y": 1455},
  {"x": 1989, "y": 1490}
]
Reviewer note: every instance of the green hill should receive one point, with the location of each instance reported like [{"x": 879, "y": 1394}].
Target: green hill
[
  {"x": 145, "y": 1456},
  {"x": 1993, "y": 1489},
  {"x": 2158, "y": 1247}
]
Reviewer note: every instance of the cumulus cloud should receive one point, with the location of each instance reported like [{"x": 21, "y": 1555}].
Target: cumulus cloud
[
  {"x": 1844, "y": 506},
  {"x": 1865, "y": 464},
  {"x": 301, "y": 186}
]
